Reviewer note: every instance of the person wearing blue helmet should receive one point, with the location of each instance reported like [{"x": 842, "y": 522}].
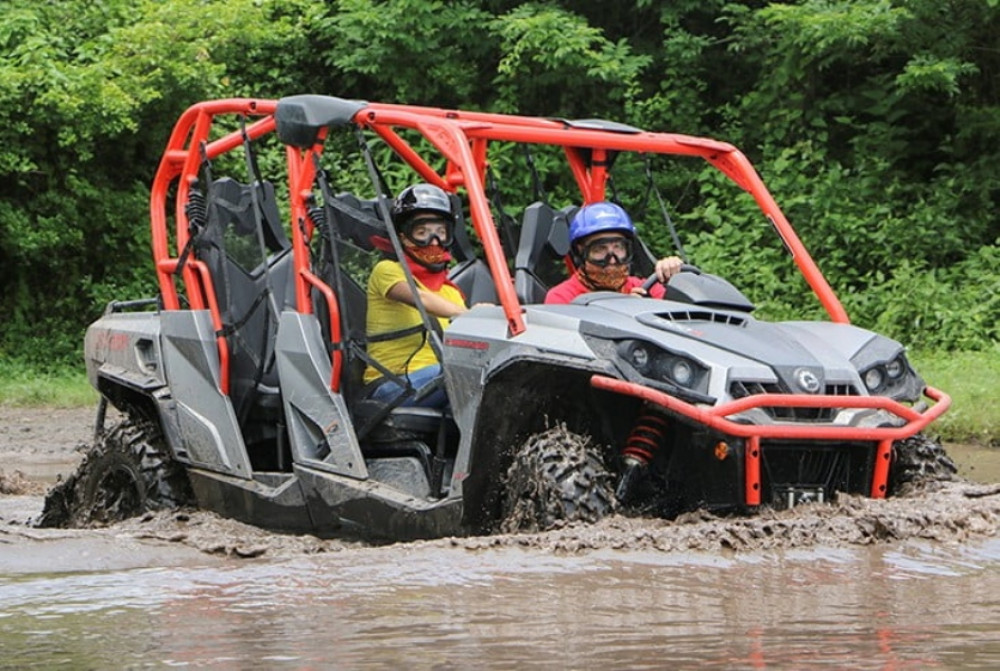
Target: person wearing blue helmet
[{"x": 602, "y": 238}]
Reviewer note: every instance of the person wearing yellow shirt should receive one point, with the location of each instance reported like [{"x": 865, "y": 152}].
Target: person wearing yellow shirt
[{"x": 397, "y": 340}]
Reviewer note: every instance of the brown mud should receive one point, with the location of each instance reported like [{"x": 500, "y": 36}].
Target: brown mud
[{"x": 40, "y": 445}]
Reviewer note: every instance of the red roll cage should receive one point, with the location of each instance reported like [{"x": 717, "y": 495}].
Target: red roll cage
[{"x": 463, "y": 138}]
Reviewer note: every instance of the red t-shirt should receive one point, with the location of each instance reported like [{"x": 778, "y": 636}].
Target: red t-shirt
[{"x": 567, "y": 290}]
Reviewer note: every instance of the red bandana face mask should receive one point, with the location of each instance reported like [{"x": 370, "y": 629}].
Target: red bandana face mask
[
  {"x": 609, "y": 278},
  {"x": 428, "y": 265},
  {"x": 432, "y": 257}
]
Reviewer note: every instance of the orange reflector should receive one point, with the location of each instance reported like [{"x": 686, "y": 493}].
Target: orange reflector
[{"x": 721, "y": 450}]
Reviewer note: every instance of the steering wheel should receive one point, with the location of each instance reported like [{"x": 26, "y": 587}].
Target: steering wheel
[{"x": 653, "y": 279}]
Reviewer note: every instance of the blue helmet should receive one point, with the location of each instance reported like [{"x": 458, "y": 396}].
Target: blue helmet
[{"x": 598, "y": 218}]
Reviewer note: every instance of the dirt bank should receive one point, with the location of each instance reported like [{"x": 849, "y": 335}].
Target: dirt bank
[
  {"x": 39, "y": 445},
  {"x": 42, "y": 443}
]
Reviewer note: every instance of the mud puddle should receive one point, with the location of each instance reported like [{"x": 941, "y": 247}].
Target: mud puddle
[
  {"x": 909, "y": 582},
  {"x": 447, "y": 604},
  {"x": 950, "y": 512},
  {"x": 51, "y": 440}
]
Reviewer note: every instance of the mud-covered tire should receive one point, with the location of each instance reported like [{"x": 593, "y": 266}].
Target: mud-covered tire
[
  {"x": 127, "y": 472},
  {"x": 918, "y": 460},
  {"x": 555, "y": 476}
]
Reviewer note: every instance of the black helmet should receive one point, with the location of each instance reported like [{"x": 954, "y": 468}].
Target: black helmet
[{"x": 421, "y": 198}]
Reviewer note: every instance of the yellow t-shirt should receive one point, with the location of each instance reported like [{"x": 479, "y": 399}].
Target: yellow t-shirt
[{"x": 408, "y": 353}]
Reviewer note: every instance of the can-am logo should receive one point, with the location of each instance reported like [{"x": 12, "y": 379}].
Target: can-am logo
[{"x": 807, "y": 380}]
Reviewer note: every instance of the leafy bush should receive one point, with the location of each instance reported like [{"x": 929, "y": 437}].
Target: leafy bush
[{"x": 875, "y": 124}]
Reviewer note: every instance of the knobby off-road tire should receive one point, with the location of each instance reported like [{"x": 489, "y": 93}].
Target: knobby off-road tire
[
  {"x": 555, "y": 476},
  {"x": 918, "y": 460},
  {"x": 127, "y": 472}
]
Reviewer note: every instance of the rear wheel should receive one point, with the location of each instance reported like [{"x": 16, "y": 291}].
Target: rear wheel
[
  {"x": 127, "y": 472},
  {"x": 556, "y": 476}
]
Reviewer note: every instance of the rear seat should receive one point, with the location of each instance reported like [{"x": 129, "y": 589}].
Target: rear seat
[
  {"x": 250, "y": 292},
  {"x": 541, "y": 250},
  {"x": 242, "y": 280}
]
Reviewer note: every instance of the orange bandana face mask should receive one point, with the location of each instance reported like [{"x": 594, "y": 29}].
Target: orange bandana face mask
[
  {"x": 607, "y": 278},
  {"x": 605, "y": 261}
]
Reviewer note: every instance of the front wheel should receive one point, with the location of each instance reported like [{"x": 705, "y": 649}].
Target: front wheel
[
  {"x": 918, "y": 460},
  {"x": 556, "y": 475},
  {"x": 127, "y": 472}
]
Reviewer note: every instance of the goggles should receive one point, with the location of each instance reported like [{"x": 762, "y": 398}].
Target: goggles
[
  {"x": 608, "y": 249},
  {"x": 424, "y": 232}
]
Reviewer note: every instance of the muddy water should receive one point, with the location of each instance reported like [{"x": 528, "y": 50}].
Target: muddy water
[
  {"x": 903, "y": 607},
  {"x": 912, "y": 604}
]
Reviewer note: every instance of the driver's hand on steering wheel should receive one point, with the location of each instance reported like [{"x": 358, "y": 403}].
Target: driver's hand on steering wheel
[{"x": 667, "y": 268}]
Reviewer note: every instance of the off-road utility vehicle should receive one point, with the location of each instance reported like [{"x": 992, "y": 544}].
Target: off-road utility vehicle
[{"x": 238, "y": 386}]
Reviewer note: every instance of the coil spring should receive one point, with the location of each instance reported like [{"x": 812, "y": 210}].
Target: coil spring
[
  {"x": 318, "y": 217},
  {"x": 647, "y": 436},
  {"x": 196, "y": 208}
]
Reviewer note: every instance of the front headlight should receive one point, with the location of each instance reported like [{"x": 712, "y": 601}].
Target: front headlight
[
  {"x": 892, "y": 377},
  {"x": 638, "y": 355},
  {"x": 874, "y": 377},
  {"x": 895, "y": 368},
  {"x": 682, "y": 372},
  {"x": 658, "y": 364}
]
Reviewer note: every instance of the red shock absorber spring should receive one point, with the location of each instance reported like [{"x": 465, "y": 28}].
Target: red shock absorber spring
[{"x": 647, "y": 436}]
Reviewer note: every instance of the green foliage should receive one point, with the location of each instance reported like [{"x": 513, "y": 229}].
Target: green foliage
[
  {"x": 87, "y": 95},
  {"x": 970, "y": 379},
  {"x": 935, "y": 308},
  {"x": 414, "y": 51},
  {"x": 553, "y": 62},
  {"x": 21, "y": 384},
  {"x": 926, "y": 73},
  {"x": 869, "y": 77},
  {"x": 875, "y": 123}
]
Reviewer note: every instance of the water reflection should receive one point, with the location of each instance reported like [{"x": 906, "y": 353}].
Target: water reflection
[{"x": 422, "y": 606}]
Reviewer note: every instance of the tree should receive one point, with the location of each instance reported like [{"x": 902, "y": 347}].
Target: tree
[
  {"x": 87, "y": 95},
  {"x": 876, "y": 123}
]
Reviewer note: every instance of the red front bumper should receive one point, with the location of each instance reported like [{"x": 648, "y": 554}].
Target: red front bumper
[{"x": 717, "y": 417}]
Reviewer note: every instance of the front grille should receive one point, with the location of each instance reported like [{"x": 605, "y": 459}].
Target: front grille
[
  {"x": 843, "y": 467},
  {"x": 739, "y": 389}
]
